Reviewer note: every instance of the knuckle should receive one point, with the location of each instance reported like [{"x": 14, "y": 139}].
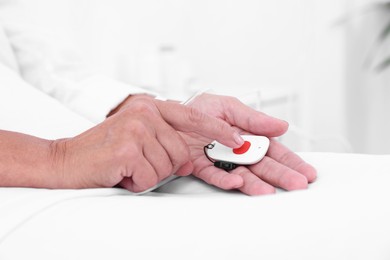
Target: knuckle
[
  {"x": 151, "y": 181},
  {"x": 165, "y": 172},
  {"x": 136, "y": 128},
  {"x": 133, "y": 130},
  {"x": 250, "y": 122},
  {"x": 195, "y": 116},
  {"x": 223, "y": 127},
  {"x": 229, "y": 101},
  {"x": 286, "y": 155},
  {"x": 124, "y": 152},
  {"x": 144, "y": 108},
  {"x": 168, "y": 167},
  {"x": 165, "y": 169},
  {"x": 145, "y": 183},
  {"x": 178, "y": 157},
  {"x": 241, "y": 171}
]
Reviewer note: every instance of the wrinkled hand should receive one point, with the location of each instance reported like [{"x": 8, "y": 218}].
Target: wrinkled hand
[
  {"x": 137, "y": 146},
  {"x": 279, "y": 168}
]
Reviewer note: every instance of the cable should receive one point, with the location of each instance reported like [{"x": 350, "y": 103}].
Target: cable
[{"x": 227, "y": 166}]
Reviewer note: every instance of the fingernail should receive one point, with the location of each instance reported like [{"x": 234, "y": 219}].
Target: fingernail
[{"x": 238, "y": 139}]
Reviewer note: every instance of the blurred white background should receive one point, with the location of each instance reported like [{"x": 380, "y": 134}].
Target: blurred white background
[{"x": 302, "y": 60}]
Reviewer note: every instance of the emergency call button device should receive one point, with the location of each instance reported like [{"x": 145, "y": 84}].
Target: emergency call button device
[{"x": 251, "y": 152}]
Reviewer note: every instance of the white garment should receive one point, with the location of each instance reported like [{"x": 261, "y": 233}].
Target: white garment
[
  {"x": 53, "y": 65},
  {"x": 40, "y": 115}
]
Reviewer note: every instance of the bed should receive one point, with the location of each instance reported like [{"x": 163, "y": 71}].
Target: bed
[{"x": 343, "y": 215}]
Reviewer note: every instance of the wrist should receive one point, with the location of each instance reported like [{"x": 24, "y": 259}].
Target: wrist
[{"x": 57, "y": 158}]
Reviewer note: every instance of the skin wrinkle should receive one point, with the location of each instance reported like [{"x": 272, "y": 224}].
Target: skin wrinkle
[
  {"x": 57, "y": 150},
  {"x": 147, "y": 179},
  {"x": 198, "y": 167},
  {"x": 222, "y": 181},
  {"x": 284, "y": 157},
  {"x": 264, "y": 172},
  {"x": 241, "y": 171},
  {"x": 287, "y": 182},
  {"x": 250, "y": 187},
  {"x": 265, "y": 167},
  {"x": 184, "y": 154},
  {"x": 145, "y": 155},
  {"x": 230, "y": 117},
  {"x": 195, "y": 116},
  {"x": 302, "y": 165},
  {"x": 205, "y": 171},
  {"x": 213, "y": 177},
  {"x": 296, "y": 163},
  {"x": 260, "y": 187},
  {"x": 173, "y": 161},
  {"x": 283, "y": 181}
]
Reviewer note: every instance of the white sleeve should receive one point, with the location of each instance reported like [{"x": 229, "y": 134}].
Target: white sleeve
[{"x": 53, "y": 65}]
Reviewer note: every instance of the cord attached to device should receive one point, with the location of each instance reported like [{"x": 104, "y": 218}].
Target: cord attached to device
[{"x": 227, "y": 166}]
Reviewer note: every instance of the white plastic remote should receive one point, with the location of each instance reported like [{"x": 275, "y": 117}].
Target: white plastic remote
[{"x": 251, "y": 152}]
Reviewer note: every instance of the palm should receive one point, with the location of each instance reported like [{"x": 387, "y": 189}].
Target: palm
[
  {"x": 203, "y": 168},
  {"x": 280, "y": 168}
]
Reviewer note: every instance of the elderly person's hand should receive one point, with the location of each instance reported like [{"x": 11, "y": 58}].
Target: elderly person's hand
[
  {"x": 279, "y": 168},
  {"x": 137, "y": 146}
]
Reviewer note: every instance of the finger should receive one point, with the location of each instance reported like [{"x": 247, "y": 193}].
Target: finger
[
  {"x": 253, "y": 185},
  {"x": 186, "y": 169},
  {"x": 189, "y": 119},
  {"x": 253, "y": 121},
  {"x": 137, "y": 173},
  {"x": 144, "y": 176},
  {"x": 217, "y": 177},
  {"x": 127, "y": 183},
  {"x": 158, "y": 158},
  {"x": 285, "y": 156},
  {"x": 175, "y": 146},
  {"x": 279, "y": 175}
]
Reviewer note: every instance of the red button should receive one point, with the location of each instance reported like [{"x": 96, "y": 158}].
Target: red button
[{"x": 243, "y": 149}]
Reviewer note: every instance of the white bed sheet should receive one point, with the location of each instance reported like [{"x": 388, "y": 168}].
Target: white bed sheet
[{"x": 344, "y": 215}]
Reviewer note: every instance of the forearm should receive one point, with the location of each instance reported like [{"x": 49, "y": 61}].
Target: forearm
[{"x": 26, "y": 161}]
